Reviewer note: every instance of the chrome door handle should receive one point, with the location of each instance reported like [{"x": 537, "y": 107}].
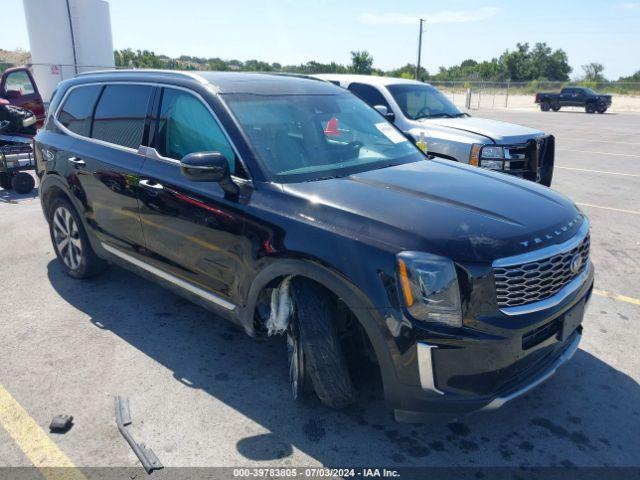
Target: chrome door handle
[
  {"x": 77, "y": 161},
  {"x": 151, "y": 185}
]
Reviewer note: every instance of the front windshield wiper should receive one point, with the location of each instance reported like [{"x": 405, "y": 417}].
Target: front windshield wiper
[{"x": 434, "y": 115}]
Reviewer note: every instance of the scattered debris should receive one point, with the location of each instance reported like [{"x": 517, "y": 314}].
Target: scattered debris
[
  {"x": 61, "y": 424},
  {"x": 281, "y": 308},
  {"x": 123, "y": 418}
]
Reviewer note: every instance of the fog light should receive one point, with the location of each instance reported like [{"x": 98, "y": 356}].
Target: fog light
[{"x": 491, "y": 164}]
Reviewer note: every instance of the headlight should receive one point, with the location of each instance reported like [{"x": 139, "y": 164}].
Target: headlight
[
  {"x": 491, "y": 151},
  {"x": 487, "y": 156},
  {"x": 430, "y": 290}
]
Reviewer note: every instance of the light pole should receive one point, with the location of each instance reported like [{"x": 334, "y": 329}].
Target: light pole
[{"x": 419, "y": 49}]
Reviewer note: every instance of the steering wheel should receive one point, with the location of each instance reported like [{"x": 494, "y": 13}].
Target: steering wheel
[{"x": 423, "y": 111}]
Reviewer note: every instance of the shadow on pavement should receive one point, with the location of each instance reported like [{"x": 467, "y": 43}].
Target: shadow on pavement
[
  {"x": 587, "y": 414},
  {"x": 9, "y": 196}
]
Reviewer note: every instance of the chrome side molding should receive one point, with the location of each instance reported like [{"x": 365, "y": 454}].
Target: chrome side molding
[{"x": 200, "y": 292}]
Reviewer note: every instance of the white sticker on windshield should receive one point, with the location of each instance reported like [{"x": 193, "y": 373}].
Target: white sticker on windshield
[{"x": 391, "y": 133}]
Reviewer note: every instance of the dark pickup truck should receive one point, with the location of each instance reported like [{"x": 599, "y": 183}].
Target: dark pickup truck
[{"x": 574, "y": 97}]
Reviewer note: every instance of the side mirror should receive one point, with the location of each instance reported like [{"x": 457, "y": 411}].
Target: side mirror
[
  {"x": 384, "y": 111},
  {"x": 10, "y": 94},
  {"x": 208, "y": 167}
]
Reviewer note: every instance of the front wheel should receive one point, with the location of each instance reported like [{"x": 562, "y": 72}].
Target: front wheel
[
  {"x": 71, "y": 243},
  {"x": 590, "y": 108},
  {"x": 602, "y": 109},
  {"x": 323, "y": 356}
]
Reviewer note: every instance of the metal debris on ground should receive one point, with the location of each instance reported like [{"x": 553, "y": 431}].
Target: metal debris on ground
[{"x": 146, "y": 456}]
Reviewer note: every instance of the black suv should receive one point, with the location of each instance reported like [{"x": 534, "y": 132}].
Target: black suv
[{"x": 288, "y": 205}]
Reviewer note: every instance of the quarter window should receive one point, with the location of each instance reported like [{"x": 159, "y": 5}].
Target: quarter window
[
  {"x": 185, "y": 126},
  {"x": 120, "y": 114},
  {"x": 75, "y": 114}
]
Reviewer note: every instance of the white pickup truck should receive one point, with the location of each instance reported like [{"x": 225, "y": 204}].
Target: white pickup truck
[{"x": 423, "y": 112}]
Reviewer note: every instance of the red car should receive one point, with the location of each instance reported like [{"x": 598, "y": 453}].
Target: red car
[{"x": 18, "y": 88}]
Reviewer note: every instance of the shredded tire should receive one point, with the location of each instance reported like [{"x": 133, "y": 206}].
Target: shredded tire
[{"x": 326, "y": 364}]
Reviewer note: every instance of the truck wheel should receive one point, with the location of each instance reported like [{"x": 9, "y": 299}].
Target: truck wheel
[
  {"x": 22, "y": 182},
  {"x": 70, "y": 241},
  {"x": 545, "y": 106},
  {"x": 323, "y": 355},
  {"x": 602, "y": 109},
  {"x": 555, "y": 108},
  {"x": 590, "y": 108},
  {"x": 5, "y": 180}
]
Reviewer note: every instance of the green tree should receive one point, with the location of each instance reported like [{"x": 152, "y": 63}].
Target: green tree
[
  {"x": 361, "y": 62},
  {"x": 593, "y": 72}
]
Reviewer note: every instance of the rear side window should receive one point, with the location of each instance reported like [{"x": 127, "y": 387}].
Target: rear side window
[
  {"x": 120, "y": 114},
  {"x": 75, "y": 113},
  {"x": 185, "y": 126},
  {"x": 369, "y": 94}
]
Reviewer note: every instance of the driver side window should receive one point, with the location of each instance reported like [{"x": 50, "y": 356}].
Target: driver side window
[{"x": 185, "y": 125}]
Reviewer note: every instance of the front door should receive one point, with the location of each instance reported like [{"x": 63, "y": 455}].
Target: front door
[
  {"x": 193, "y": 230},
  {"x": 107, "y": 165}
]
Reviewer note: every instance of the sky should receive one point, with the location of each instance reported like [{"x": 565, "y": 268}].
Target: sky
[{"x": 296, "y": 31}]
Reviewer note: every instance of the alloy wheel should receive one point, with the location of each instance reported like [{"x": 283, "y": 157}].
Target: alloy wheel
[{"x": 66, "y": 237}]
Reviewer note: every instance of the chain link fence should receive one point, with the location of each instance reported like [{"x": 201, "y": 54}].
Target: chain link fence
[
  {"x": 465, "y": 94},
  {"x": 476, "y": 95}
]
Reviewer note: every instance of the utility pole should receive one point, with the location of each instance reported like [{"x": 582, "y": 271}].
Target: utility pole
[{"x": 419, "y": 50}]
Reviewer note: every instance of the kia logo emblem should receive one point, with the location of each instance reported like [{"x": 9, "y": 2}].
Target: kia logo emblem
[{"x": 576, "y": 263}]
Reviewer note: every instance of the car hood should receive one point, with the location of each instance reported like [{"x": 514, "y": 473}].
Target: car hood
[
  {"x": 441, "y": 207},
  {"x": 494, "y": 130}
]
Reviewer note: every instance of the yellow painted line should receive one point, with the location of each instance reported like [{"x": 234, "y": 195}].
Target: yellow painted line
[
  {"x": 633, "y": 212},
  {"x": 598, "y": 153},
  {"x": 615, "y": 296},
  {"x": 598, "y": 171},
  {"x": 34, "y": 442}
]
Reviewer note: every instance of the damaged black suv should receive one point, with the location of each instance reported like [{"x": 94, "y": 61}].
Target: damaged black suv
[{"x": 288, "y": 205}]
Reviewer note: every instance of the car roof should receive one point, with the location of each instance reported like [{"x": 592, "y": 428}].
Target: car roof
[
  {"x": 224, "y": 82},
  {"x": 368, "y": 79}
]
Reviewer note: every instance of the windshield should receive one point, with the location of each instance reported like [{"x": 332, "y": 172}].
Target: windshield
[
  {"x": 311, "y": 137},
  {"x": 423, "y": 101}
]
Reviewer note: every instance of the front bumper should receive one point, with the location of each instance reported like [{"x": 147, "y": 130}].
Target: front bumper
[{"x": 492, "y": 363}]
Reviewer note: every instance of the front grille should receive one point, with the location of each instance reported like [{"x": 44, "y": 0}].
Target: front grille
[{"x": 534, "y": 281}]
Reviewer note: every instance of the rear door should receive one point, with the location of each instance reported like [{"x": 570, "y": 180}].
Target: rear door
[
  {"x": 566, "y": 97},
  {"x": 193, "y": 230},
  {"x": 106, "y": 164},
  {"x": 17, "y": 86}
]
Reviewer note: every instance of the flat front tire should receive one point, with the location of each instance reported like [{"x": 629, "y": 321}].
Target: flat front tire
[
  {"x": 323, "y": 357},
  {"x": 71, "y": 243}
]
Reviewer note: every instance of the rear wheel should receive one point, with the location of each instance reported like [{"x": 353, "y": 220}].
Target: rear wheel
[
  {"x": 22, "y": 182},
  {"x": 70, "y": 241},
  {"x": 590, "y": 108},
  {"x": 545, "y": 106},
  {"x": 323, "y": 357},
  {"x": 555, "y": 108}
]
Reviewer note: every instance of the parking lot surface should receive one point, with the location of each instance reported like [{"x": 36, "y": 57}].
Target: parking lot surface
[{"x": 204, "y": 394}]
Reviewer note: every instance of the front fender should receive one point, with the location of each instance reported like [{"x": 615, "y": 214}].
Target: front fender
[{"x": 370, "y": 318}]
